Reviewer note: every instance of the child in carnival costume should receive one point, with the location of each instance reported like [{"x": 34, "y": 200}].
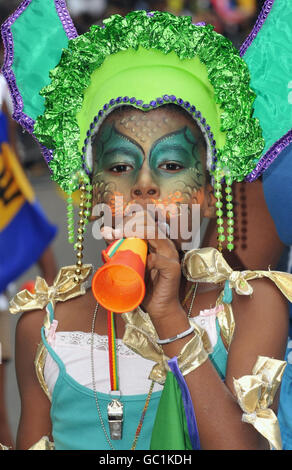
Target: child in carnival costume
[{"x": 144, "y": 107}]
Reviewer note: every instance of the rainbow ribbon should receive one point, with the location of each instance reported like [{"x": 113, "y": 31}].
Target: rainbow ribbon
[
  {"x": 112, "y": 352},
  {"x": 113, "y": 368},
  {"x": 111, "y": 249}
]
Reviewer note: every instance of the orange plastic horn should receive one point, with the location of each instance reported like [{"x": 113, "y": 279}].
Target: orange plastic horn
[{"x": 119, "y": 284}]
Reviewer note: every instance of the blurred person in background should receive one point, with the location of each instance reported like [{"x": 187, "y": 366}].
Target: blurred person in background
[
  {"x": 236, "y": 17},
  {"x": 22, "y": 224},
  {"x": 264, "y": 212},
  {"x": 277, "y": 184},
  {"x": 86, "y": 12}
]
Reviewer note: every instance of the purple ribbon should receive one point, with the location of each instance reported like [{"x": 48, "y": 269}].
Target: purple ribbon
[{"x": 188, "y": 404}]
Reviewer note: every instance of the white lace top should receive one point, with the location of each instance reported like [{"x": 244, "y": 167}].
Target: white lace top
[{"x": 74, "y": 349}]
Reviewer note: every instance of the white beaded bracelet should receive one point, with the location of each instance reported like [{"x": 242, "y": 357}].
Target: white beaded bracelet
[{"x": 179, "y": 336}]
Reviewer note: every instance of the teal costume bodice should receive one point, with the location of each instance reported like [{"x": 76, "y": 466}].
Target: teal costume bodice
[{"x": 74, "y": 416}]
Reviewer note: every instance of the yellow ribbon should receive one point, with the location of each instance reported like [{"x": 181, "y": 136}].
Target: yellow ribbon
[
  {"x": 256, "y": 392},
  {"x": 64, "y": 288}
]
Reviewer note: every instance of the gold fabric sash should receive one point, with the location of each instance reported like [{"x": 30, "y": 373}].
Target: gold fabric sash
[
  {"x": 2, "y": 447},
  {"x": 208, "y": 265},
  {"x": 64, "y": 288},
  {"x": 43, "y": 444},
  {"x": 140, "y": 336},
  {"x": 256, "y": 392}
]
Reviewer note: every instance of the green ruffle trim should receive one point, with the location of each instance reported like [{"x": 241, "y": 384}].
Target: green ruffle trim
[{"x": 58, "y": 129}]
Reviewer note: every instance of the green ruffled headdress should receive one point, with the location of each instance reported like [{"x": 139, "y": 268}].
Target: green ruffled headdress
[{"x": 64, "y": 85}]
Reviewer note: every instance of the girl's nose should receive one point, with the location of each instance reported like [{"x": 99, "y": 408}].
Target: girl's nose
[{"x": 145, "y": 187}]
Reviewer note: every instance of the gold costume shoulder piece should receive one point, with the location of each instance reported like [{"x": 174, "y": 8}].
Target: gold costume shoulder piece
[
  {"x": 256, "y": 392},
  {"x": 208, "y": 265},
  {"x": 63, "y": 288}
]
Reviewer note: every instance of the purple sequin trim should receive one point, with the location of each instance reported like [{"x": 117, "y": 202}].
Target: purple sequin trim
[
  {"x": 47, "y": 154},
  {"x": 66, "y": 19},
  {"x": 267, "y": 7},
  {"x": 270, "y": 156},
  {"x": 187, "y": 404},
  {"x": 25, "y": 121},
  {"x": 114, "y": 102}
]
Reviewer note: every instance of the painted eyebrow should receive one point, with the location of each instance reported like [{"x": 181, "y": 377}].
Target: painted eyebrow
[
  {"x": 167, "y": 146},
  {"x": 113, "y": 150},
  {"x": 128, "y": 139},
  {"x": 171, "y": 146},
  {"x": 125, "y": 139}
]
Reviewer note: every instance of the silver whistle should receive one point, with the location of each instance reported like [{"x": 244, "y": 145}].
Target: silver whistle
[{"x": 115, "y": 418}]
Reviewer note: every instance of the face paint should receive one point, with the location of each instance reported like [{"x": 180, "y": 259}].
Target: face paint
[
  {"x": 176, "y": 156},
  {"x": 117, "y": 163},
  {"x": 162, "y": 145},
  {"x": 116, "y": 153}
]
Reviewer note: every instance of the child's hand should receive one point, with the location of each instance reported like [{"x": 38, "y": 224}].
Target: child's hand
[
  {"x": 163, "y": 277},
  {"x": 163, "y": 270}
]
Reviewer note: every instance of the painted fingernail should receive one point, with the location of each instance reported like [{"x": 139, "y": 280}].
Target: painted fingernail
[
  {"x": 164, "y": 227},
  {"x": 118, "y": 233},
  {"x": 107, "y": 232}
]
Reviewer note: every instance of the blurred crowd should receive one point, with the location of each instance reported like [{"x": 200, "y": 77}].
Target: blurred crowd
[
  {"x": 230, "y": 17},
  {"x": 233, "y": 18}
]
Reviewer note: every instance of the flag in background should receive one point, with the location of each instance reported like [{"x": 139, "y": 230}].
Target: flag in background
[{"x": 25, "y": 232}]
